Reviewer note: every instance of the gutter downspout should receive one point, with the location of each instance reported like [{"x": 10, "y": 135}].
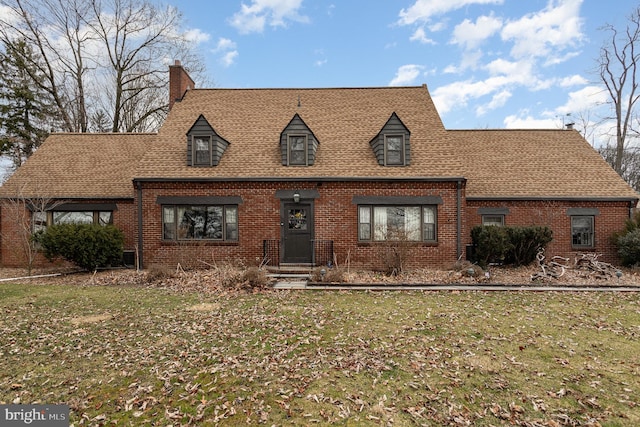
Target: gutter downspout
[
  {"x": 459, "y": 221},
  {"x": 140, "y": 239}
]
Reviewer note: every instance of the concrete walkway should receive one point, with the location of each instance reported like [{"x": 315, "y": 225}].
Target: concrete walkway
[{"x": 304, "y": 285}]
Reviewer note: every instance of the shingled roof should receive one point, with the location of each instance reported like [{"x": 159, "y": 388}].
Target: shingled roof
[
  {"x": 343, "y": 120},
  {"x": 536, "y": 164},
  {"x": 72, "y": 165},
  {"x": 497, "y": 164}
]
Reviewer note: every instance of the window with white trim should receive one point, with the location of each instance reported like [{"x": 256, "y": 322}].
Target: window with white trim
[
  {"x": 200, "y": 222},
  {"x": 397, "y": 223},
  {"x": 582, "y": 231}
]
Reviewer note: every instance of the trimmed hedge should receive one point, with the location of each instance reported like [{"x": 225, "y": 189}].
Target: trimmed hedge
[
  {"x": 509, "y": 245},
  {"x": 87, "y": 246}
]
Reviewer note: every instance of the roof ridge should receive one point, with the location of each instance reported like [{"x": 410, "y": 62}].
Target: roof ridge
[{"x": 307, "y": 88}]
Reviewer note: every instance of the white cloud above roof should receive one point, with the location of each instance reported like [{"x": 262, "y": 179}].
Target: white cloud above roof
[
  {"x": 226, "y": 48},
  {"x": 254, "y": 17},
  {"x": 471, "y": 34},
  {"x": 407, "y": 75},
  {"x": 424, "y": 10},
  {"x": 556, "y": 27}
]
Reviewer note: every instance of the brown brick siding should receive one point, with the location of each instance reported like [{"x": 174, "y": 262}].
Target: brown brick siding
[
  {"x": 259, "y": 219},
  {"x": 12, "y": 253},
  {"x": 335, "y": 219},
  {"x": 611, "y": 218}
]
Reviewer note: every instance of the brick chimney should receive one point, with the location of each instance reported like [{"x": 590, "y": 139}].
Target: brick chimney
[{"x": 179, "y": 83}]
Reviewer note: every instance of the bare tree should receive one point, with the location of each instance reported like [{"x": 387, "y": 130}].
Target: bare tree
[
  {"x": 629, "y": 163},
  {"x": 28, "y": 214},
  {"x": 102, "y": 55},
  {"x": 134, "y": 34},
  {"x": 618, "y": 67},
  {"x": 52, "y": 28}
]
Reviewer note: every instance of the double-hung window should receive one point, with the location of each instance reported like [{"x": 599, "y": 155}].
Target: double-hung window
[
  {"x": 202, "y": 150},
  {"x": 582, "y": 231},
  {"x": 297, "y": 150},
  {"x": 394, "y": 150},
  {"x": 200, "y": 222},
  {"x": 397, "y": 223}
]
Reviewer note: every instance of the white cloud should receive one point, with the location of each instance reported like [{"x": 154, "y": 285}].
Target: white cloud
[
  {"x": 423, "y": 10},
  {"x": 498, "y": 100},
  {"x": 406, "y": 75},
  {"x": 575, "y": 80},
  {"x": 197, "y": 36},
  {"x": 547, "y": 32},
  {"x": 458, "y": 94},
  {"x": 471, "y": 35},
  {"x": 586, "y": 99},
  {"x": 228, "y": 51},
  {"x": 229, "y": 58},
  {"x": 224, "y": 44},
  {"x": 8, "y": 14},
  {"x": 253, "y": 18},
  {"x": 528, "y": 122},
  {"x": 503, "y": 76},
  {"x": 421, "y": 36}
]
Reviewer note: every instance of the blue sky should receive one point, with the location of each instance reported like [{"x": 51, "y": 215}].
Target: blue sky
[{"x": 487, "y": 63}]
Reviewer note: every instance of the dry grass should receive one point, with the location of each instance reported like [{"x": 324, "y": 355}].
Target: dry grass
[{"x": 204, "y": 355}]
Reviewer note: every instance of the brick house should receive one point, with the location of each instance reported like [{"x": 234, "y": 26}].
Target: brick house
[{"x": 311, "y": 176}]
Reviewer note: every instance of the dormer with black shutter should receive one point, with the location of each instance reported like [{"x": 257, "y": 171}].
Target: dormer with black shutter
[
  {"x": 392, "y": 145},
  {"x": 298, "y": 144},
  {"x": 204, "y": 146}
]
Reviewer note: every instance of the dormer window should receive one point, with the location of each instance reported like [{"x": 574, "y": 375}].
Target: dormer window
[
  {"x": 392, "y": 145},
  {"x": 394, "y": 150},
  {"x": 202, "y": 150},
  {"x": 298, "y": 144},
  {"x": 297, "y": 147},
  {"x": 204, "y": 146}
]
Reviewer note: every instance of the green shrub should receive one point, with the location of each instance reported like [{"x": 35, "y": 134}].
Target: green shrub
[
  {"x": 526, "y": 242},
  {"x": 509, "y": 245},
  {"x": 629, "y": 247},
  {"x": 491, "y": 244},
  {"x": 87, "y": 246}
]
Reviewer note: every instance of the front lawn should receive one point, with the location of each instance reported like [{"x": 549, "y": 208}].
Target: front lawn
[{"x": 132, "y": 355}]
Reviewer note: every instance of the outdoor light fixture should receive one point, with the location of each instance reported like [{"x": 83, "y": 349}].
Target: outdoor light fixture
[{"x": 296, "y": 197}]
